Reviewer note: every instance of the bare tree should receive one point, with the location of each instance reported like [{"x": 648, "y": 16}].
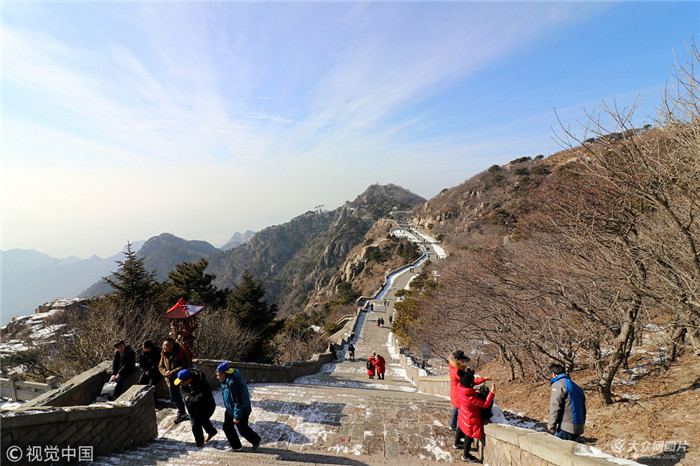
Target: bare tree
[
  {"x": 659, "y": 175},
  {"x": 221, "y": 336}
]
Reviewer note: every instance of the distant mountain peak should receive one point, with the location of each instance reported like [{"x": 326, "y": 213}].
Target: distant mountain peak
[{"x": 237, "y": 239}]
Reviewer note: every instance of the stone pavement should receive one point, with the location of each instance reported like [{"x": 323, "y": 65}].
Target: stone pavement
[{"x": 337, "y": 416}]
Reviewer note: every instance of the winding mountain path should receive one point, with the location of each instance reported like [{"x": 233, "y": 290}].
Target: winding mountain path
[{"x": 336, "y": 416}]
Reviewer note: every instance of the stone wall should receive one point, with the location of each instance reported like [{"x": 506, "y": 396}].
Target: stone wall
[
  {"x": 69, "y": 431},
  {"x": 508, "y": 445},
  {"x": 432, "y": 384},
  {"x": 266, "y": 373},
  {"x": 82, "y": 389}
]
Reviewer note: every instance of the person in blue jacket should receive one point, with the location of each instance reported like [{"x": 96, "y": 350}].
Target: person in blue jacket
[
  {"x": 236, "y": 397},
  {"x": 567, "y": 406}
]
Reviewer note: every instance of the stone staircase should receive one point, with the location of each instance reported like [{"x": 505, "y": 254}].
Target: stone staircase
[{"x": 336, "y": 416}]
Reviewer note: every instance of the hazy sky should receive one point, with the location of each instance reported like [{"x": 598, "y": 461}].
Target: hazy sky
[{"x": 121, "y": 121}]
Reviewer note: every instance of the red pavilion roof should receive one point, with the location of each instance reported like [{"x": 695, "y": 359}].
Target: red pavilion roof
[{"x": 181, "y": 310}]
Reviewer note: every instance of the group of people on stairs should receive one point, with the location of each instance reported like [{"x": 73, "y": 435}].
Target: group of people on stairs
[
  {"x": 189, "y": 390},
  {"x": 376, "y": 364}
]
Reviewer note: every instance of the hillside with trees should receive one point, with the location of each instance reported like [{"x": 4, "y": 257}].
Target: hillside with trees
[
  {"x": 590, "y": 258},
  {"x": 304, "y": 254}
]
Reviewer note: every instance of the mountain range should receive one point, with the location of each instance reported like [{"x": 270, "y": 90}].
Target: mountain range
[
  {"x": 30, "y": 278},
  {"x": 290, "y": 259}
]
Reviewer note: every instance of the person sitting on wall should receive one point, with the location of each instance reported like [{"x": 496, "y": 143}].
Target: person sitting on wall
[
  {"x": 196, "y": 392},
  {"x": 567, "y": 406},
  {"x": 148, "y": 362},
  {"x": 351, "y": 351},
  {"x": 234, "y": 392},
  {"x": 123, "y": 364},
  {"x": 173, "y": 360}
]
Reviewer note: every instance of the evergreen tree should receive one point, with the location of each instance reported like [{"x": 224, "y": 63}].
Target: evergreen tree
[
  {"x": 247, "y": 304},
  {"x": 132, "y": 283},
  {"x": 188, "y": 281}
]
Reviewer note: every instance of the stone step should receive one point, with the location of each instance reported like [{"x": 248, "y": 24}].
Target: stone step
[{"x": 336, "y": 416}]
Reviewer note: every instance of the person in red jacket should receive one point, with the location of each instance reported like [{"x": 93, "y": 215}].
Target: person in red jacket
[
  {"x": 457, "y": 362},
  {"x": 381, "y": 367},
  {"x": 469, "y": 423},
  {"x": 371, "y": 366}
]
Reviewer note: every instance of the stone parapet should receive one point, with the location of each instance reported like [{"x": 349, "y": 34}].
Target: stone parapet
[
  {"x": 71, "y": 430},
  {"x": 82, "y": 389},
  {"x": 509, "y": 445},
  {"x": 267, "y": 373}
]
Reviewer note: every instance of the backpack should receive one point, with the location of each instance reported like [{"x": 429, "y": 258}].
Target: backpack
[
  {"x": 369, "y": 364},
  {"x": 482, "y": 391}
]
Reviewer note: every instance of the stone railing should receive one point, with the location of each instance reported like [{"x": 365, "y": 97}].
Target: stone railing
[
  {"x": 54, "y": 435},
  {"x": 22, "y": 390}
]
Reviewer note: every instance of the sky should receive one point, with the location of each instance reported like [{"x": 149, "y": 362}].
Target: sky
[{"x": 124, "y": 120}]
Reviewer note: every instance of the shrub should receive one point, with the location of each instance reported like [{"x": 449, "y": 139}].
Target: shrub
[
  {"x": 498, "y": 179},
  {"x": 494, "y": 168},
  {"x": 522, "y": 171},
  {"x": 331, "y": 327},
  {"x": 500, "y": 217},
  {"x": 540, "y": 170},
  {"x": 520, "y": 159}
]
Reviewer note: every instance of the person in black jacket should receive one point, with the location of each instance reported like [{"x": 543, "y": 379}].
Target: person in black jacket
[
  {"x": 148, "y": 362},
  {"x": 200, "y": 403},
  {"x": 123, "y": 364}
]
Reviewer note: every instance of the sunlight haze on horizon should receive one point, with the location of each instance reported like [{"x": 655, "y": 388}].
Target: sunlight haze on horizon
[{"x": 122, "y": 121}]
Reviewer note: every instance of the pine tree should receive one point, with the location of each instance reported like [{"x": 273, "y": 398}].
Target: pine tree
[
  {"x": 188, "y": 281},
  {"x": 247, "y": 304},
  {"x": 133, "y": 285}
]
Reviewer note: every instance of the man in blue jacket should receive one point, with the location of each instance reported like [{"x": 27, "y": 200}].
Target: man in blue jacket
[
  {"x": 236, "y": 397},
  {"x": 567, "y": 406}
]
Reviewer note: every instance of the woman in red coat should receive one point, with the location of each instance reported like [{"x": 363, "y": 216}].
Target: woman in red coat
[
  {"x": 469, "y": 423},
  {"x": 381, "y": 367},
  {"x": 371, "y": 366},
  {"x": 457, "y": 362}
]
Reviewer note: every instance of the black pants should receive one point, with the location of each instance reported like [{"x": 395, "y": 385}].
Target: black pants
[
  {"x": 121, "y": 386},
  {"x": 201, "y": 422},
  {"x": 152, "y": 379},
  {"x": 243, "y": 428},
  {"x": 467, "y": 441}
]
